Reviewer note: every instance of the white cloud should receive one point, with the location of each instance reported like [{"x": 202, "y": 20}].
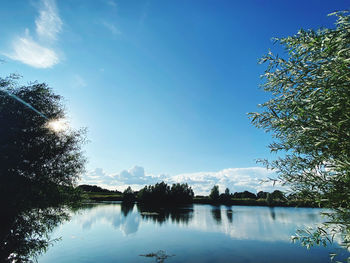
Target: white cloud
[
  {"x": 38, "y": 53},
  {"x": 135, "y": 175},
  {"x": 98, "y": 177},
  {"x": 31, "y": 53},
  {"x": 236, "y": 179},
  {"x": 48, "y": 24}
]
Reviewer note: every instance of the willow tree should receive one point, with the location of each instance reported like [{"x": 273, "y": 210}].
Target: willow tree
[
  {"x": 308, "y": 115},
  {"x": 40, "y": 161}
]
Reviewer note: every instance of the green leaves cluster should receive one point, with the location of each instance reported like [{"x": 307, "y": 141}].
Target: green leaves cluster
[
  {"x": 214, "y": 193},
  {"x": 309, "y": 115},
  {"x": 163, "y": 194}
]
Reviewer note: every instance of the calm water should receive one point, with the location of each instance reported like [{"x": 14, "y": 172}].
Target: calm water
[{"x": 200, "y": 233}]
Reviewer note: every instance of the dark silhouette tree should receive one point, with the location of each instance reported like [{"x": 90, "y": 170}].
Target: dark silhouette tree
[
  {"x": 225, "y": 198},
  {"x": 39, "y": 163},
  {"x": 163, "y": 194},
  {"x": 181, "y": 194},
  {"x": 129, "y": 195},
  {"x": 278, "y": 195},
  {"x": 96, "y": 189},
  {"x": 245, "y": 194},
  {"x": 214, "y": 193},
  {"x": 261, "y": 195}
]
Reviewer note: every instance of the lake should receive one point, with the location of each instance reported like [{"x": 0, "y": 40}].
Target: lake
[{"x": 110, "y": 232}]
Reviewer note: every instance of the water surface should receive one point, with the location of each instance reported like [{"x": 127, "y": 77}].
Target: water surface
[{"x": 199, "y": 233}]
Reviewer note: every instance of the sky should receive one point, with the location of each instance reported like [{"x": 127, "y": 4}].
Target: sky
[{"x": 163, "y": 87}]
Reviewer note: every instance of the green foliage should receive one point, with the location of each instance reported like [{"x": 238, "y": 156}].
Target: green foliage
[
  {"x": 269, "y": 199},
  {"x": 309, "y": 116},
  {"x": 162, "y": 194},
  {"x": 103, "y": 196},
  {"x": 245, "y": 194},
  {"x": 278, "y": 195},
  {"x": 38, "y": 166},
  {"x": 214, "y": 193},
  {"x": 36, "y": 163},
  {"x": 261, "y": 195},
  {"x": 275, "y": 198},
  {"x": 181, "y": 193},
  {"x": 96, "y": 189},
  {"x": 129, "y": 195}
]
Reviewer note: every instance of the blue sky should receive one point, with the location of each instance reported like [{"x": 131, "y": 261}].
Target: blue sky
[{"x": 164, "y": 87}]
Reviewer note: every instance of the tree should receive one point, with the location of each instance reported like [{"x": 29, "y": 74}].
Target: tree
[
  {"x": 225, "y": 198},
  {"x": 278, "y": 195},
  {"x": 129, "y": 195},
  {"x": 245, "y": 194},
  {"x": 163, "y": 194},
  {"x": 96, "y": 189},
  {"x": 261, "y": 195},
  {"x": 309, "y": 117},
  {"x": 181, "y": 193},
  {"x": 39, "y": 165},
  {"x": 214, "y": 193}
]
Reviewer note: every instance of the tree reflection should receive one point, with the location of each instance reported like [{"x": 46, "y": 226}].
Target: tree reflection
[
  {"x": 126, "y": 208},
  {"x": 161, "y": 215},
  {"x": 26, "y": 235},
  {"x": 216, "y": 213},
  {"x": 272, "y": 213},
  {"x": 229, "y": 215}
]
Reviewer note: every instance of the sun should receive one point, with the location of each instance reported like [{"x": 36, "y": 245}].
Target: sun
[{"x": 57, "y": 125}]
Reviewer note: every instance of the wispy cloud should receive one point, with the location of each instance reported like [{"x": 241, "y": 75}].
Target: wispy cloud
[
  {"x": 78, "y": 81},
  {"x": 48, "y": 24},
  {"x": 111, "y": 3},
  {"x": 236, "y": 179},
  {"x": 111, "y": 27},
  {"x": 39, "y": 53}
]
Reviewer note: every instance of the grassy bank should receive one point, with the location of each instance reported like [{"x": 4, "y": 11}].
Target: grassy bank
[
  {"x": 98, "y": 196},
  {"x": 256, "y": 202}
]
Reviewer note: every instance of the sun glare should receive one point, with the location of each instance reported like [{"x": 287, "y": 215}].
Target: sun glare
[{"x": 57, "y": 125}]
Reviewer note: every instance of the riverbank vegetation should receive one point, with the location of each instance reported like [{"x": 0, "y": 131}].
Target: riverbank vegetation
[
  {"x": 308, "y": 114},
  {"x": 162, "y": 194}
]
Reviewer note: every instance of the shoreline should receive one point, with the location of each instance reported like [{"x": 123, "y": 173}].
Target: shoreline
[{"x": 206, "y": 200}]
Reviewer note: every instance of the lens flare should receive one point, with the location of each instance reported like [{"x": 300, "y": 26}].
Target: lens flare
[{"x": 57, "y": 125}]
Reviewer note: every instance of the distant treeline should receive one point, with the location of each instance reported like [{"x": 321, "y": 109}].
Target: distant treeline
[
  {"x": 96, "y": 189},
  {"x": 162, "y": 194}
]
